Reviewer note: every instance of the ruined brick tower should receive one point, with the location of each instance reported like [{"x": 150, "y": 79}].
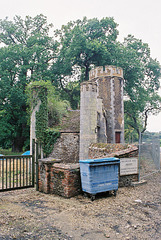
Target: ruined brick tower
[{"x": 101, "y": 108}]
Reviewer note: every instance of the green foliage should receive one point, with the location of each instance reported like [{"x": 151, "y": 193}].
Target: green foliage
[
  {"x": 56, "y": 107},
  {"x": 93, "y": 42},
  {"x": 37, "y": 92},
  {"x": 130, "y": 133},
  {"x": 50, "y": 137},
  {"x": 41, "y": 116},
  {"x": 29, "y": 54},
  {"x": 56, "y": 110},
  {"x": 9, "y": 151},
  {"x": 51, "y": 108},
  {"x": 26, "y": 56},
  {"x": 71, "y": 94},
  {"x": 82, "y": 43},
  {"x": 141, "y": 74}
]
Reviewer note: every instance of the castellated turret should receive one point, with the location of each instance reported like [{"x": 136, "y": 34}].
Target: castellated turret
[
  {"x": 107, "y": 71},
  {"x": 88, "y": 117},
  {"x": 101, "y": 108}
]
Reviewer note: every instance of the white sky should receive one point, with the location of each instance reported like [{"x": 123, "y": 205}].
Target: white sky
[{"x": 141, "y": 18}]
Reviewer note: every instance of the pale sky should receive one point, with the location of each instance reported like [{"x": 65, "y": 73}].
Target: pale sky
[{"x": 141, "y": 18}]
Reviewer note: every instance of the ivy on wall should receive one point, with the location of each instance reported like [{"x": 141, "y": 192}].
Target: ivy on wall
[
  {"x": 37, "y": 94},
  {"x": 42, "y": 115},
  {"x": 36, "y": 91},
  {"x": 50, "y": 137}
]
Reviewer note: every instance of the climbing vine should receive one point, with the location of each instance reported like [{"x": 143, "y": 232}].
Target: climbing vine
[
  {"x": 37, "y": 96},
  {"x": 42, "y": 116},
  {"x": 50, "y": 137},
  {"x": 35, "y": 91}
]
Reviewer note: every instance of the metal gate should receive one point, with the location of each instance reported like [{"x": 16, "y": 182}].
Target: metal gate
[{"x": 16, "y": 172}]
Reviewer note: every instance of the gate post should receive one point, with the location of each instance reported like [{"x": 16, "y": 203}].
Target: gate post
[
  {"x": 39, "y": 113},
  {"x": 33, "y": 162},
  {"x": 139, "y": 154},
  {"x": 37, "y": 170}
]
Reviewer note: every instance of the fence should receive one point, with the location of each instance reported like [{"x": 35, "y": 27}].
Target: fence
[
  {"x": 16, "y": 172},
  {"x": 149, "y": 154}
]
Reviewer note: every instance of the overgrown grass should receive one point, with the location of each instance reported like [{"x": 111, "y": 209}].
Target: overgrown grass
[{"x": 9, "y": 152}]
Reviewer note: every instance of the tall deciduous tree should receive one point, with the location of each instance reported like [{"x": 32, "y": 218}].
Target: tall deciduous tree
[
  {"x": 82, "y": 44},
  {"x": 27, "y": 54},
  {"x": 141, "y": 74},
  {"x": 94, "y": 42}
]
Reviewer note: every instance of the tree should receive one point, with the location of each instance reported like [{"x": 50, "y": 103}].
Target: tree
[
  {"x": 88, "y": 43},
  {"x": 27, "y": 54},
  {"x": 141, "y": 74},
  {"x": 82, "y": 44}
]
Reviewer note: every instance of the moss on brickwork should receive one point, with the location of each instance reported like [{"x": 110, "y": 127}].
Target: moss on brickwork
[
  {"x": 109, "y": 148},
  {"x": 98, "y": 150}
]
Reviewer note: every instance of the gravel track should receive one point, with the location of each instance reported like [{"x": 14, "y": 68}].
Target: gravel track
[{"x": 134, "y": 214}]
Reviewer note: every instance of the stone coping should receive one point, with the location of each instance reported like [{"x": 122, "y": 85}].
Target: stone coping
[
  {"x": 69, "y": 131},
  {"x": 118, "y": 153},
  {"x": 67, "y": 166},
  {"x": 49, "y": 160},
  {"x": 57, "y": 163},
  {"x": 122, "y": 152}
]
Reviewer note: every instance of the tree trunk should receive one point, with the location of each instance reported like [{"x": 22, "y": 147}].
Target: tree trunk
[
  {"x": 17, "y": 145},
  {"x": 87, "y": 73}
]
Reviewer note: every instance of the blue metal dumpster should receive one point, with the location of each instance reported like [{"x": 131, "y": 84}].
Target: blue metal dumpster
[{"x": 99, "y": 175}]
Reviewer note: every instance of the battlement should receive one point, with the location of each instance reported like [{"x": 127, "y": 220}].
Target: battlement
[
  {"x": 111, "y": 71},
  {"x": 89, "y": 86}
]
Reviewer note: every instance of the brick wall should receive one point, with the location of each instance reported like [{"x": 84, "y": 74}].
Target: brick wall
[
  {"x": 64, "y": 179},
  {"x": 44, "y": 169},
  {"x": 58, "y": 178},
  {"x": 125, "y": 181}
]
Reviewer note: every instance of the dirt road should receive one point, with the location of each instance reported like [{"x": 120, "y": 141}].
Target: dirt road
[{"x": 134, "y": 214}]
